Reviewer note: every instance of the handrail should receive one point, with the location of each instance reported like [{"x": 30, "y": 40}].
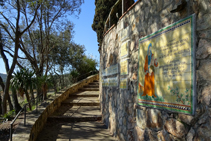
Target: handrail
[{"x": 23, "y": 109}]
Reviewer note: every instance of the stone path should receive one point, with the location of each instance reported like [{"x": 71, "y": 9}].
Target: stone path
[
  {"x": 22, "y": 132},
  {"x": 78, "y": 119}
]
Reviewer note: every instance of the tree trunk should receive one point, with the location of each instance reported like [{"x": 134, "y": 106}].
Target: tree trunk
[
  {"x": 32, "y": 94},
  {"x": 0, "y": 104},
  {"x": 55, "y": 88},
  {"x": 44, "y": 91},
  {"x": 15, "y": 101},
  {"x": 28, "y": 99},
  {"x": 10, "y": 103}
]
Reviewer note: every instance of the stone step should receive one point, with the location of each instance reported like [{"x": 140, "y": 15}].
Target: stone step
[
  {"x": 77, "y": 131},
  {"x": 78, "y": 111},
  {"x": 73, "y": 119},
  {"x": 94, "y": 83},
  {"x": 91, "y": 86},
  {"x": 82, "y": 104},
  {"x": 81, "y": 101},
  {"x": 89, "y": 89},
  {"x": 85, "y": 94}
]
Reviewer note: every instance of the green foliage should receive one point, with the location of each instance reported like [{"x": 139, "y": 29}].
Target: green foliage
[
  {"x": 88, "y": 64},
  {"x": 9, "y": 114},
  {"x": 152, "y": 98},
  {"x": 102, "y": 10},
  {"x": 181, "y": 97},
  {"x": 43, "y": 80},
  {"x": 23, "y": 79}
]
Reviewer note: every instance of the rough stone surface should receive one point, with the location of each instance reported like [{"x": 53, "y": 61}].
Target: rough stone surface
[
  {"x": 204, "y": 70},
  {"x": 185, "y": 118},
  {"x": 154, "y": 120},
  {"x": 175, "y": 127},
  {"x": 204, "y": 48},
  {"x": 139, "y": 134},
  {"x": 190, "y": 135},
  {"x": 204, "y": 131},
  {"x": 163, "y": 136},
  {"x": 141, "y": 119},
  {"x": 206, "y": 95}
]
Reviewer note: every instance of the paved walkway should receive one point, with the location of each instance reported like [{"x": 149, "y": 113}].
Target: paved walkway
[
  {"x": 22, "y": 132},
  {"x": 78, "y": 119}
]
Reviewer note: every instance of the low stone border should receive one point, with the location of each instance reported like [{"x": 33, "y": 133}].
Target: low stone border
[{"x": 40, "y": 122}]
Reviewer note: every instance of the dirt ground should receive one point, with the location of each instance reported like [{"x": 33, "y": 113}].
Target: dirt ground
[{"x": 5, "y": 130}]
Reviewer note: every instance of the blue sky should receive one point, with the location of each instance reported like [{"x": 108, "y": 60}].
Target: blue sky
[{"x": 84, "y": 34}]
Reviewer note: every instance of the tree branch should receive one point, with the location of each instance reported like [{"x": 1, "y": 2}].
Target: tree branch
[
  {"x": 13, "y": 55},
  {"x": 5, "y": 29},
  {"x": 9, "y": 22},
  {"x": 31, "y": 21}
]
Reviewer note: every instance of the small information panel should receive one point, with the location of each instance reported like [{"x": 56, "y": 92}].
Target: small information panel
[
  {"x": 110, "y": 82},
  {"x": 124, "y": 67},
  {"x": 166, "y": 75},
  {"x": 123, "y": 83},
  {"x": 124, "y": 49},
  {"x": 114, "y": 69}
]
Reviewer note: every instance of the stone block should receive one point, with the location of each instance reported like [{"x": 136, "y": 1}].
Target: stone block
[
  {"x": 204, "y": 131},
  {"x": 204, "y": 70},
  {"x": 154, "y": 119},
  {"x": 190, "y": 135},
  {"x": 138, "y": 7},
  {"x": 130, "y": 136},
  {"x": 120, "y": 121},
  {"x": 206, "y": 94},
  {"x": 175, "y": 127},
  {"x": 203, "y": 6},
  {"x": 121, "y": 137},
  {"x": 141, "y": 118},
  {"x": 112, "y": 125},
  {"x": 203, "y": 22},
  {"x": 209, "y": 112},
  {"x": 139, "y": 134},
  {"x": 185, "y": 118},
  {"x": 163, "y": 136},
  {"x": 204, "y": 47}
]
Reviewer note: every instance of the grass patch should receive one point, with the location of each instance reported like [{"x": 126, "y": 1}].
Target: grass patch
[{"x": 9, "y": 114}]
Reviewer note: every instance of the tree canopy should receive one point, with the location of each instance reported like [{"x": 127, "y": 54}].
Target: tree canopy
[{"x": 102, "y": 10}]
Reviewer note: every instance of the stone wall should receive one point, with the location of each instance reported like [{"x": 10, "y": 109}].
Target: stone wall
[
  {"x": 129, "y": 122},
  {"x": 40, "y": 122}
]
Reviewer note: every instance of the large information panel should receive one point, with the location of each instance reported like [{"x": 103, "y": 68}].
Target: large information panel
[{"x": 166, "y": 72}]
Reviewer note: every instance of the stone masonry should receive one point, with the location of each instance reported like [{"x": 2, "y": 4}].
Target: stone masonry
[{"x": 118, "y": 107}]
